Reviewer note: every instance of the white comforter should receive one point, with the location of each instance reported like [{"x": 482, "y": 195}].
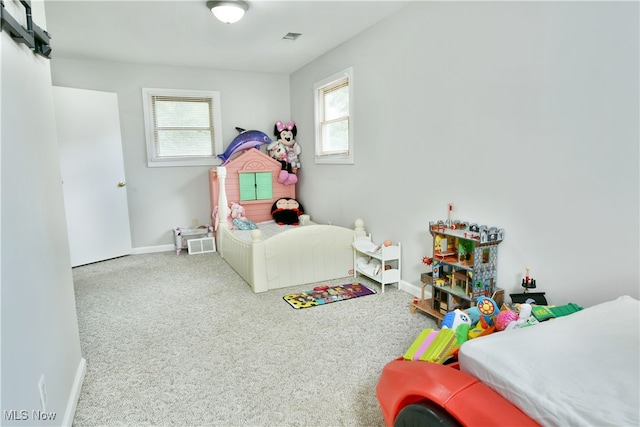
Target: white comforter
[{"x": 577, "y": 370}]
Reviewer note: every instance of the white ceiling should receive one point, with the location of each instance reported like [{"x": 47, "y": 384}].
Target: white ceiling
[{"x": 185, "y": 33}]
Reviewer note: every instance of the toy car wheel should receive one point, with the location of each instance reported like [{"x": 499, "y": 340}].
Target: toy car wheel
[{"x": 424, "y": 414}]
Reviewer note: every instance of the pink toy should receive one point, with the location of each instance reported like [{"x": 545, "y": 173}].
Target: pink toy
[
  {"x": 279, "y": 152},
  {"x": 504, "y": 318},
  {"x": 237, "y": 211},
  {"x": 216, "y": 219}
]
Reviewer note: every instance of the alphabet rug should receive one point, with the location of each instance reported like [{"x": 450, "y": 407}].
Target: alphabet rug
[{"x": 326, "y": 294}]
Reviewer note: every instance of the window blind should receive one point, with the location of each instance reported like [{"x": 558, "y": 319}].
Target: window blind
[
  {"x": 333, "y": 107},
  {"x": 183, "y": 126}
]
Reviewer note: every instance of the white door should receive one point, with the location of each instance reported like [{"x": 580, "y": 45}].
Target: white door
[{"x": 92, "y": 167}]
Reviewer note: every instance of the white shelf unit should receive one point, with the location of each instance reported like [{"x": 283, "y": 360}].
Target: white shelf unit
[{"x": 377, "y": 262}]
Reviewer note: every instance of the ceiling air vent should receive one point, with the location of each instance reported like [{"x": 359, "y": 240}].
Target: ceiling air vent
[{"x": 291, "y": 36}]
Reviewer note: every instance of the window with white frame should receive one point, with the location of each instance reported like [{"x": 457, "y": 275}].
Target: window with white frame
[
  {"x": 334, "y": 118},
  {"x": 182, "y": 127}
]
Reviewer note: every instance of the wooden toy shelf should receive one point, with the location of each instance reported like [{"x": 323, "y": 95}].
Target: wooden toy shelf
[
  {"x": 426, "y": 305},
  {"x": 445, "y": 299}
]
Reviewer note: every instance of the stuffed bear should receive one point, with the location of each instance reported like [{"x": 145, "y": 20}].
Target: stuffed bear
[
  {"x": 285, "y": 134},
  {"x": 286, "y": 211}
]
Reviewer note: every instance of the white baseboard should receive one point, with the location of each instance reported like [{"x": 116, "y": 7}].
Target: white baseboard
[
  {"x": 414, "y": 290},
  {"x": 152, "y": 249},
  {"x": 72, "y": 402}
]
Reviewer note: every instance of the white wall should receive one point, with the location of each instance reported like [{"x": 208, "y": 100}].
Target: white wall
[
  {"x": 39, "y": 324},
  {"x": 162, "y": 198},
  {"x": 524, "y": 115}
]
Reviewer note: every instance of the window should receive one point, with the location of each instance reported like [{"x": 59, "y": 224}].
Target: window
[
  {"x": 256, "y": 186},
  {"x": 334, "y": 114},
  {"x": 182, "y": 127}
]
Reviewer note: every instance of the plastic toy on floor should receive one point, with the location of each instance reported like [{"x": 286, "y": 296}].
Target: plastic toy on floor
[
  {"x": 455, "y": 318},
  {"x": 505, "y": 318},
  {"x": 460, "y": 322},
  {"x": 488, "y": 308},
  {"x": 542, "y": 313},
  {"x": 508, "y": 319},
  {"x": 432, "y": 346}
]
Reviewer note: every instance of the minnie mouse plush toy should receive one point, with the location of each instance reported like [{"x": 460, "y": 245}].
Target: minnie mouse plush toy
[
  {"x": 286, "y": 211},
  {"x": 286, "y": 144}
]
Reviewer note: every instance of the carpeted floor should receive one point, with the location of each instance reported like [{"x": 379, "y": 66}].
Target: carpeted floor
[{"x": 181, "y": 340}]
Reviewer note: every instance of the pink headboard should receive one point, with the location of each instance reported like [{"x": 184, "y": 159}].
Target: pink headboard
[{"x": 251, "y": 160}]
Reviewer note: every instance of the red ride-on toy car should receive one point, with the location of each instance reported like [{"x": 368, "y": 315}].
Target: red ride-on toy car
[{"x": 430, "y": 394}]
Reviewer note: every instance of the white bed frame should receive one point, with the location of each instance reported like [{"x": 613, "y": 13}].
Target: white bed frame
[{"x": 309, "y": 253}]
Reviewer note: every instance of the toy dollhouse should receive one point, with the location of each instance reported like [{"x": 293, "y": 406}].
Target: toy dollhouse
[{"x": 464, "y": 267}]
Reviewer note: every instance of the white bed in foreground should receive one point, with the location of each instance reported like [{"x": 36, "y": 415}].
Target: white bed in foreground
[
  {"x": 307, "y": 253},
  {"x": 577, "y": 370}
]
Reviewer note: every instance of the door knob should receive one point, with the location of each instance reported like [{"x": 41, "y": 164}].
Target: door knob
[{"x": 122, "y": 184}]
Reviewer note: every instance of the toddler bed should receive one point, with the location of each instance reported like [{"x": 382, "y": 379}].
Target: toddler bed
[{"x": 302, "y": 254}]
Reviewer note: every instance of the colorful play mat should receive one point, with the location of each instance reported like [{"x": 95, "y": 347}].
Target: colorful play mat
[{"x": 321, "y": 295}]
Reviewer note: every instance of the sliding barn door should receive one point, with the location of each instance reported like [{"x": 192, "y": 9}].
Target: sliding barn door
[{"x": 92, "y": 166}]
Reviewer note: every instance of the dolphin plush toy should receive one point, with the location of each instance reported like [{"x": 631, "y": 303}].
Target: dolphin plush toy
[{"x": 247, "y": 139}]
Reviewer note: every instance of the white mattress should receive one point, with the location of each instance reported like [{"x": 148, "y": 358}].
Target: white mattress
[{"x": 576, "y": 370}]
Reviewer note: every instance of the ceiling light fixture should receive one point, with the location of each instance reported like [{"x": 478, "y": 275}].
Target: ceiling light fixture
[{"x": 228, "y": 11}]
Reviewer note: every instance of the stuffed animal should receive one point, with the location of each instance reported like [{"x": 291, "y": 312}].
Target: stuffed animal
[
  {"x": 286, "y": 211},
  {"x": 279, "y": 152},
  {"x": 245, "y": 140},
  {"x": 237, "y": 211},
  {"x": 286, "y": 134},
  {"x": 286, "y": 150},
  {"x": 238, "y": 218},
  {"x": 216, "y": 219}
]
